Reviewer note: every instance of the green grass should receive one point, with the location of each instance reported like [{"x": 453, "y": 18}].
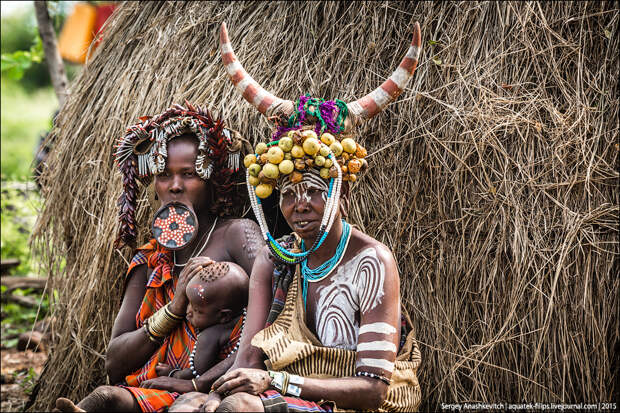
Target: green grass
[{"x": 24, "y": 118}]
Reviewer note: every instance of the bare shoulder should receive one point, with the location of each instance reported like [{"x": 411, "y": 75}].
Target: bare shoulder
[
  {"x": 212, "y": 336},
  {"x": 241, "y": 228},
  {"x": 361, "y": 242},
  {"x": 371, "y": 249}
]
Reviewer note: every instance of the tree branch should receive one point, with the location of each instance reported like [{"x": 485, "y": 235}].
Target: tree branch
[{"x": 55, "y": 64}]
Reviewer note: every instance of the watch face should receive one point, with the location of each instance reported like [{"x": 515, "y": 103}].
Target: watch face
[{"x": 175, "y": 225}]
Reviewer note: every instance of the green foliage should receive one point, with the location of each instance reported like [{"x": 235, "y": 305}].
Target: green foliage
[
  {"x": 19, "y": 211},
  {"x": 19, "y": 35},
  {"x": 18, "y": 30},
  {"x": 25, "y": 116},
  {"x": 26, "y": 379},
  {"x": 17, "y": 319},
  {"x": 16, "y": 63}
]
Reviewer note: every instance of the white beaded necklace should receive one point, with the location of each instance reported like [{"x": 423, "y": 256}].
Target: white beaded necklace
[
  {"x": 233, "y": 351},
  {"x": 196, "y": 250}
]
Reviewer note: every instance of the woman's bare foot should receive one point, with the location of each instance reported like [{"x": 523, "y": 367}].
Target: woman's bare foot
[{"x": 66, "y": 405}]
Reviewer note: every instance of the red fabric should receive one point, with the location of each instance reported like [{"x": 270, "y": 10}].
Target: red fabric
[
  {"x": 275, "y": 402},
  {"x": 103, "y": 12},
  {"x": 152, "y": 400}
]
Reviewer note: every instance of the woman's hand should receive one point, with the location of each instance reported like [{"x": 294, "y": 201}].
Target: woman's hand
[
  {"x": 252, "y": 381},
  {"x": 212, "y": 403},
  {"x": 163, "y": 369},
  {"x": 169, "y": 384},
  {"x": 178, "y": 306}
]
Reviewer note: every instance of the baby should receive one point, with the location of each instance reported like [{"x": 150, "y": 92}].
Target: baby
[{"x": 217, "y": 298}]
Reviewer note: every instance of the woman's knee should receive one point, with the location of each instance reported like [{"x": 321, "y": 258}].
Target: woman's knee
[
  {"x": 108, "y": 393},
  {"x": 188, "y": 402},
  {"x": 241, "y": 402}
]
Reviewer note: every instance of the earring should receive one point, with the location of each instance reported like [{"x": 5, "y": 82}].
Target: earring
[{"x": 156, "y": 197}]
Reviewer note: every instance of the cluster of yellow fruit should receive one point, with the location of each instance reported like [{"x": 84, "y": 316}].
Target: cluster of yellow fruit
[{"x": 299, "y": 150}]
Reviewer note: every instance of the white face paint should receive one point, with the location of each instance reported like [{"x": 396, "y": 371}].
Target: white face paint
[
  {"x": 301, "y": 191},
  {"x": 356, "y": 287}
]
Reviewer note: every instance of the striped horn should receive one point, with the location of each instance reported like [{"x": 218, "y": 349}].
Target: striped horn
[
  {"x": 378, "y": 99},
  {"x": 265, "y": 102}
]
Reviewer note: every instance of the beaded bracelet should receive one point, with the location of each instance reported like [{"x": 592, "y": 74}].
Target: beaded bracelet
[{"x": 373, "y": 376}]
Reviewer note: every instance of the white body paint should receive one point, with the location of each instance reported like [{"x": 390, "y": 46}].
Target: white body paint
[
  {"x": 376, "y": 346},
  {"x": 379, "y": 328},
  {"x": 376, "y": 363},
  {"x": 356, "y": 287},
  {"x": 311, "y": 180}
]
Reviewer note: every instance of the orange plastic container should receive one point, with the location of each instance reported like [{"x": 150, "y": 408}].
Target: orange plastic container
[{"x": 77, "y": 33}]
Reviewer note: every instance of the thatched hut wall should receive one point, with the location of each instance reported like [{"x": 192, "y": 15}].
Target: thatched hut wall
[{"x": 494, "y": 177}]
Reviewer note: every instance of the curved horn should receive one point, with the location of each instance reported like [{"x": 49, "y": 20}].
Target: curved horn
[
  {"x": 378, "y": 99},
  {"x": 265, "y": 102}
]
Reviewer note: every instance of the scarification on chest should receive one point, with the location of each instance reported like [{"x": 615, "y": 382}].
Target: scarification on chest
[{"x": 253, "y": 242}]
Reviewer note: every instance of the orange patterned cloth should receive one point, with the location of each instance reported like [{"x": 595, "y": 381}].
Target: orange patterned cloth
[
  {"x": 178, "y": 345},
  {"x": 160, "y": 291}
]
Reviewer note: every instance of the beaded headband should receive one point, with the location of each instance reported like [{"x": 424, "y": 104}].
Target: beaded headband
[{"x": 142, "y": 153}]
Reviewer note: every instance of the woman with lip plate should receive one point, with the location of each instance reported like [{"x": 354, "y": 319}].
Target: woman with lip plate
[
  {"x": 324, "y": 327},
  {"x": 194, "y": 161}
]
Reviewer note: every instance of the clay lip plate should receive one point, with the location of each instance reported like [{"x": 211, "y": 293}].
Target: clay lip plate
[{"x": 174, "y": 226}]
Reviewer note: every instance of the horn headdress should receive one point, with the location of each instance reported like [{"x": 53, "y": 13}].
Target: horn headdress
[
  {"x": 365, "y": 108},
  {"x": 317, "y": 134}
]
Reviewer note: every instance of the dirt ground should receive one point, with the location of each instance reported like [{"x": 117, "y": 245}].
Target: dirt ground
[{"x": 17, "y": 378}]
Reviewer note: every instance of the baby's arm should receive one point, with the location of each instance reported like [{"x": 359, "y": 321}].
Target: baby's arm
[{"x": 207, "y": 348}]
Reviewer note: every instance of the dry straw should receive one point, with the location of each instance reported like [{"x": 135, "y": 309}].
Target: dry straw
[{"x": 494, "y": 177}]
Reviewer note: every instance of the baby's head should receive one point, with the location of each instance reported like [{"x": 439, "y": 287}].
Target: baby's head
[{"x": 216, "y": 295}]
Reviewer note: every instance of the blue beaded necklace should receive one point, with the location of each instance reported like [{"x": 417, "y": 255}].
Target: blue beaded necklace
[{"x": 326, "y": 268}]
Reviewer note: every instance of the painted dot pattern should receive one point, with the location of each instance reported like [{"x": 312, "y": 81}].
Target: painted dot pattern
[{"x": 174, "y": 227}]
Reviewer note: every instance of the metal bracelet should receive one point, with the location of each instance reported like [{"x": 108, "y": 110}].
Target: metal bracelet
[
  {"x": 277, "y": 378},
  {"x": 294, "y": 387},
  {"x": 171, "y": 374},
  {"x": 150, "y": 336}
]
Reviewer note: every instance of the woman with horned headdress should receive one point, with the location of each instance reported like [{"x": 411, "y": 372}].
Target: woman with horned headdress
[
  {"x": 324, "y": 305},
  {"x": 194, "y": 162}
]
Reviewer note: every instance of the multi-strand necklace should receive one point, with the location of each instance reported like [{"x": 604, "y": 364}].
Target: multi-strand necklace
[
  {"x": 234, "y": 350},
  {"x": 323, "y": 270}
]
